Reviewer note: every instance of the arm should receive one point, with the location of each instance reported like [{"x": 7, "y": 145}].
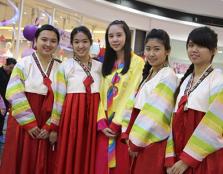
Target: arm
[
  {"x": 59, "y": 96},
  {"x": 153, "y": 122},
  {"x": 129, "y": 89},
  {"x": 102, "y": 119},
  {"x": 15, "y": 93},
  {"x": 207, "y": 137},
  {"x": 170, "y": 154}
]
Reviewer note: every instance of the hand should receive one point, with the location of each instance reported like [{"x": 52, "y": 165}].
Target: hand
[
  {"x": 179, "y": 167},
  {"x": 133, "y": 154},
  {"x": 168, "y": 170},
  {"x": 109, "y": 133},
  {"x": 34, "y": 132},
  {"x": 44, "y": 134},
  {"x": 53, "y": 137}
]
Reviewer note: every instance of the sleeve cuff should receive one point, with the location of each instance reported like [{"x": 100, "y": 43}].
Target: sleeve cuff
[
  {"x": 169, "y": 161},
  {"x": 102, "y": 124},
  {"x": 115, "y": 127},
  {"x": 189, "y": 160},
  {"x": 135, "y": 148},
  {"x": 124, "y": 137},
  {"x": 30, "y": 125},
  {"x": 54, "y": 127},
  {"x": 47, "y": 127}
]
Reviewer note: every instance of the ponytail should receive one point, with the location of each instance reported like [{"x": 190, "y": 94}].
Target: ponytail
[{"x": 145, "y": 72}]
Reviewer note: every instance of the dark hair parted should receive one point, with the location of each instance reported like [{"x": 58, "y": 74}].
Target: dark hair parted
[
  {"x": 164, "y": 38},
  {"x": 110, "y": 55},
  {"x": 81, "y": 29},
  {"x": 202, "y": 36},
  {"x": 10, "y": 61},
  {"x": 49, "y": 28}
]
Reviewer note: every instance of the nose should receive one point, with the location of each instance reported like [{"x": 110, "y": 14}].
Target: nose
[
  {"x": 195, "y": 48},
  {"x": 151, "y": 53},
  {"x": 48, "y": 43}
]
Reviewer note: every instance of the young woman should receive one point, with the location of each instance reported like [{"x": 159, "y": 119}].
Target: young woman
[
  {"x": 121, "y": 76},
  {"x": 76, "y": 107},
  {"x": 27, "y": 149},
  {"x": 149, "y": 128},
  {"x": 196, "y": 142}
]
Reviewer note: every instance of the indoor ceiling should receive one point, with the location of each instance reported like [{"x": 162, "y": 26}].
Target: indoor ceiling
[{"x": 201, "y": 7}]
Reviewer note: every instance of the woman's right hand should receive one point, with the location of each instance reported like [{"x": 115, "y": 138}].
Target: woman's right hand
[
  {"x": 109, "y": 133},
  {"x": 34, "y": 132},
  {"x": 53, "y": 137}
]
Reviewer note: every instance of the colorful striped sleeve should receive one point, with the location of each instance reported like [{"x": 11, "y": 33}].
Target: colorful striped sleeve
[
  {"x": 153, "y": 122},
  {"x": 126, "y": 104},
  {"x": 59, "y": 97},
  {"x": 170, "y": 153},
  {"x": 207, "y": 137},
  {"x": 15, "y": 94},
  {"x": 101, "y": 119}
]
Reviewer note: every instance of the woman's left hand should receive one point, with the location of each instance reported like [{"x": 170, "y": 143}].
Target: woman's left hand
[
  {"x": 44, "y": 134},
  {"x": 179, "y": 167}
]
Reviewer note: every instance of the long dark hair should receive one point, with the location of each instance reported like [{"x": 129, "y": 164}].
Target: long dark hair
[
  {"x": 164, "y": 38},
  {"x": 202, "y": 36},
  {"x": 110, "y": 55}
]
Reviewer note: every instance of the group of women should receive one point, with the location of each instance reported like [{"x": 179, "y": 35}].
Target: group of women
[{"x": 126, "y": 115}]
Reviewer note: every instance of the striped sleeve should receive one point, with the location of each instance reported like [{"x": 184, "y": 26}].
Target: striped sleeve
[
  {"x": 153, "y": 122},
  {"x": 135, "y": 77},
  {"x": 207, "y": 137},
  {"x": 15, "y": 94},
  {"x": 59, "y": 97},
  {"x": 101, "y": 119},
  {"x": 170, "y": 153}
]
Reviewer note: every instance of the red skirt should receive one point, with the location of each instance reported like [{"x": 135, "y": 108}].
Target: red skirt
[
  {"x": 22, "y": 154},
  {"x": 150, "y": 160},
  {"x": 77, "y": 134},
  {"x": 184, "y": 124},
  {"x": 122, "y": 156}
]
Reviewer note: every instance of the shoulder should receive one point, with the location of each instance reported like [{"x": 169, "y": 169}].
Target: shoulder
[
  {"x": 216, "y": 77},
  {"x": 25, "y": 61},
  {"x": 96, "y": 63},
  {"x": 136, "y": 58},
  {"x": 168, "y": 71},
  {"x": 137, "y": 62}
]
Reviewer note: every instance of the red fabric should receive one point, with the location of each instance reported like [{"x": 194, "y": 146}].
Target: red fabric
[
  {"x": 115, "y": 127},
  {"x": 48, "y": 100},
  {"x": 77, "y": 134},
  {"x": 102, "y": 124},
  {"x": 23, "y": 154},
  {"x": 30, "y": 125},
  {"x": 184, "y": 124},
  {"x": 134, "y": 114},
  {"x": 150, "y": 160},
  {"x": 122, "y": 156}
]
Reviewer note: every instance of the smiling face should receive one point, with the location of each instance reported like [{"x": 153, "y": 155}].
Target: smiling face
[
  {"x": 155, "y": 53},
  {"x": 81, "y": 45},
  {"x": 46, "y": 43},
  {"x": 199, "y": 55},
  {"x": 116, "y": 37}
]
